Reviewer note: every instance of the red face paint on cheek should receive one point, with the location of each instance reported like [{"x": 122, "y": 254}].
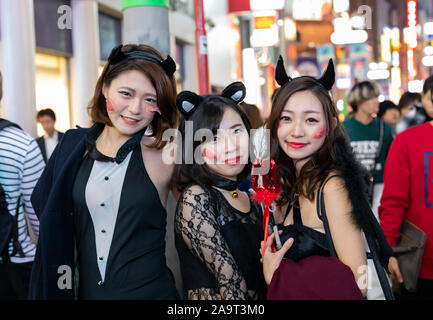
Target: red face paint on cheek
[
  {"x": 319, "y": 134},
  {"x": 109, "y": 106},
  {"x": 208, "y": 153}
]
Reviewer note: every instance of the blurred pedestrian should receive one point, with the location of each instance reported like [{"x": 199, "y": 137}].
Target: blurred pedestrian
[
  {"x": 101, "y": 200},
  {"x": 408, "y": 194},
  {"x": 411, "y": 111},
  {"x": 21, "y": 165},
  {"x": 369, "y": 136},
  {"x": 389, "y": 112},
  {"x": 48, "y": 142},
  {"x": 217, "y": 227},
  {"x": 427, "y": 99}
]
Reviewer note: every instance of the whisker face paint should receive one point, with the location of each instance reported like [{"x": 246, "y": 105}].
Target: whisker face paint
[
  {"x": 320, "y": 133},
  {"x": 208, "y": 153},
  {"x": 154, "y": 109},
  {"x": 109, "y": 105}
]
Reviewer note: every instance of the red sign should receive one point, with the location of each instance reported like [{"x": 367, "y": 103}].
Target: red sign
[
  {"x": 411, "y": 13},
  {"x": 238, "y": 5}
]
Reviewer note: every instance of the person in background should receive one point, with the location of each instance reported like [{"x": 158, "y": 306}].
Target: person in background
[
  {"x": 389, "y": 112},
  {"x": 48, "y": 142},
  {"x": 411, "y": 111},
  {"x": 21, "y": 165},
  {"x": 363, "y": 129},
  {"x": 408, "y": 194}
]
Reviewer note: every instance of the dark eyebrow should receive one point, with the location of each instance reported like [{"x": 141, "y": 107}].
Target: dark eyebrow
[
  {"x": 233, "y": 126},
  {"x": 133, "y": 90},
  {"x": 236, "y": 125},
  {"x": 127, "y": 88},
  {"x": 308, "y": 111}
]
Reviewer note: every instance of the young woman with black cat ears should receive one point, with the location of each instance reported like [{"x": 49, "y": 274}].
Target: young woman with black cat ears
[
  {"x": 217, "y": 227},
  {"x": 101, "y": 199},
  {"x": 322, "y": 210}
]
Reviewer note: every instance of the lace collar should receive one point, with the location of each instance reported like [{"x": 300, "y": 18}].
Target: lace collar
[{"x": 122, "y": 153}]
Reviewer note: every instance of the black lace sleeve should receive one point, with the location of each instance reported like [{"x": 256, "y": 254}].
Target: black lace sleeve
[{"x": 195, "y": 222}]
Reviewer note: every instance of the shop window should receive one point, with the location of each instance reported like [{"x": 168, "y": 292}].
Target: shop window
[
  {"x": 109, "y": 34},
  {"x": 180, "y": 64},
  {"x": 52, "y": 88}
]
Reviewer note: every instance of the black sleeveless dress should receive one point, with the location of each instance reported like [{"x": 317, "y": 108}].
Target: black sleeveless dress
[
  {"x": 136, "y": 266},
  {"x": 307, "y": 241}
]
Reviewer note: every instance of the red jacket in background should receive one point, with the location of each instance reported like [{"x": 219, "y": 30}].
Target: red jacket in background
[{"x": 408, "y": 188}]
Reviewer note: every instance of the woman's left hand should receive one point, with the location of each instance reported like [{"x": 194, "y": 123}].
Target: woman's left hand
[{"x": 271, "y": 260}]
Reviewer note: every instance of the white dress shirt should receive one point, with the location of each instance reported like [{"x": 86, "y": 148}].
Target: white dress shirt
[
  {"x": 103, "y": 191},
  {"x": 50, "y": 144}
]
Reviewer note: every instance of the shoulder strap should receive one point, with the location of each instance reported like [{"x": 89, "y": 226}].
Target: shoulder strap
[
  {"x": 321, "y": 212},
  {"x": 6, "y": 123},
  {"x": 15, "y": 241},
  {"x": 379, "y": 148}
]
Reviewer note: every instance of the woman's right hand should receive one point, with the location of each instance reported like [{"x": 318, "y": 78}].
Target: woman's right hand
[
  {"x": 271, "y": 260},
  {"x": 394, "y": 269}
]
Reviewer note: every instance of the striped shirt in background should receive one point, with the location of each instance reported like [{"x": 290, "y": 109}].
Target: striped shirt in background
[{"x": 21, "y": 165}]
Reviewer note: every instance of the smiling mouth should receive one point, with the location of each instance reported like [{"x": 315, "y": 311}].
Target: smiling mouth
[
  {"x": 232, "y": 161},
  {"x": 295, "y": 145},
  {"x": 130, "y": 121}
]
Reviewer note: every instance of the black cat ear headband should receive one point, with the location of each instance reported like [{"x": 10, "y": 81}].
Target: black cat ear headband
[
  {"x": 187, "y": 101},
  {"x": 326, "y": 80},
  {"x": 118, "y": 55}
]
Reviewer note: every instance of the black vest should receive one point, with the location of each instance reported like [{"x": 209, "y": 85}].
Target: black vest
[{"x": 136, "y": 266}]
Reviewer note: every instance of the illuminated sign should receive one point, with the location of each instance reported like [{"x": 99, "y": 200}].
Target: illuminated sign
[
  {"x": 307, "y": 9},
  {"x": 411, "y": 64},
  {"x": 395, "y": 38},
  {"x": 395, "y": 77},
  {"x": 410, "y": 37},
  {"x": 428, "y": 28},
  {"x": 411, "y": 13},
  {"x": 385, "y": 45},
  {"x": 290, "y": 29},
  {"x": 264, "y": 22},
  {"x": 267, "y": 5},
  {"x": 265, "y": 37},
  {"x": 341, "y": 5}
]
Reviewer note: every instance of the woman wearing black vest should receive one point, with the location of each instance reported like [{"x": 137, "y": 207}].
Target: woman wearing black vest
[{"x": 101, "y": 200}]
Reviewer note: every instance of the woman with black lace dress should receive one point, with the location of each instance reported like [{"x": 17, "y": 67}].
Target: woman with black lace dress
[{"x": 217, "y": 228}]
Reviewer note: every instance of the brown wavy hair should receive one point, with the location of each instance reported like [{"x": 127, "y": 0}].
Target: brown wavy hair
[
  {"x": 165, "y": 91},
  {"x": 322, "y": 162}
]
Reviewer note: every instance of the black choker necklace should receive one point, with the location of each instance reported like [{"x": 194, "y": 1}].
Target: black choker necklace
[{"x": 227, "y": 184}]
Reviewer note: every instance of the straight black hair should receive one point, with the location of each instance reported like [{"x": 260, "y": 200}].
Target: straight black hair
[{"x": 208, "y": 115}]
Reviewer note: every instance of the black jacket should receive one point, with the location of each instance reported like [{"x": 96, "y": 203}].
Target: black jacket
[
  {"x": 52, "y": 198},
  {"x": 41, "y": 144}
]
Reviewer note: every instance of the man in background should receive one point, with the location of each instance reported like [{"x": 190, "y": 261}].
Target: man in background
[{"x": 48, "y": 142}]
